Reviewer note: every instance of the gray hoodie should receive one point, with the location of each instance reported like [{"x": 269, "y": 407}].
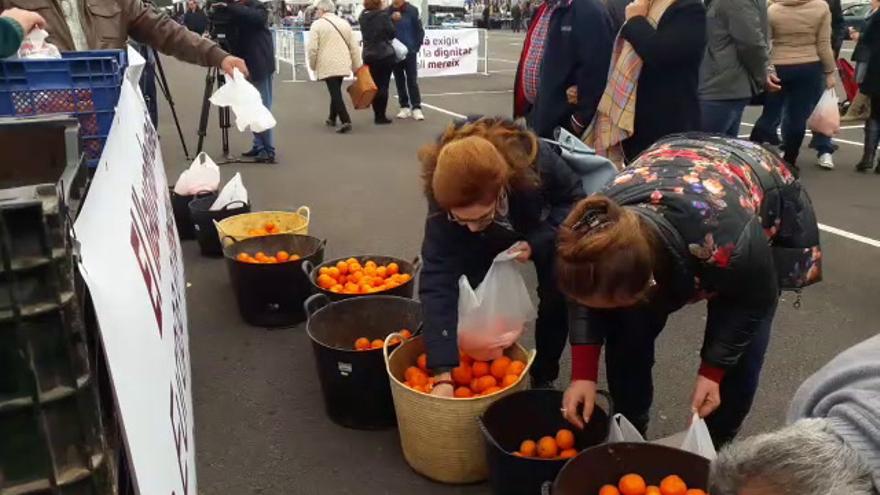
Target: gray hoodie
[
  {"x": 846, "y": 391},
  {"x": 736, "y": 59}
]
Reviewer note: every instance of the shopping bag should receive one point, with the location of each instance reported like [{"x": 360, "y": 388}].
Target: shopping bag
[
  {"x": 595, "y": 171},
  {"x": 34, "y": 46},
  {"x": 621, "y": 430},
  {"x": 363, "y": 89},
  {"x": 245, "y": 101},
  {"x": 203, "y": 175},
  {"x": 233, "y": 192},
  {"x": 825, "y": 118},
  {"x": 697, "y": 440},
  {"x": 492, "y": 317},
  {"x": 400, "y": 50}
]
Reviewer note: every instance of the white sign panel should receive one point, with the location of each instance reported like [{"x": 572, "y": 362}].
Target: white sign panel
[
  {"x": 445, "y": 52},
  {"x": 132, "y": 263}
]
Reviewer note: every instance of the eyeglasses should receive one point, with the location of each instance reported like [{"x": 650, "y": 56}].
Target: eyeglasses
[{"x": 481, "y": 222}]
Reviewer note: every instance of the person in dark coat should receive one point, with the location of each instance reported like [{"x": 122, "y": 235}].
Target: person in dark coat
[
  {"x": 491, "y": 184},
  {"x": 195, "y": 18},
  {"x": 411, "y": 33},
  {"x": 568, "y": 44},
  {"x": 695, "y": 217},
  {"x": 378, "y": 33},
  {"x": 869, "y": 41}
]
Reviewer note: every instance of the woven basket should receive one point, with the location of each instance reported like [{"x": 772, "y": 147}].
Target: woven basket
[
  {"x": 440, "y": 436},
  {"x": 237, "y": 228}
]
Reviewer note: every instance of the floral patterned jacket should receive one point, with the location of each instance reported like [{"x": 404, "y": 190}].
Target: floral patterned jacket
[{"x": 737, "y": 224}]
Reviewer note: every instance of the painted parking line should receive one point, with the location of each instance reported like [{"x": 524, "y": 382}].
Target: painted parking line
[
  {"x": 466, "y": 93},
  {"x": 443, "y": 110},
  {"x": 504, "y": 61},
  {"x": 836, "y": 140}
]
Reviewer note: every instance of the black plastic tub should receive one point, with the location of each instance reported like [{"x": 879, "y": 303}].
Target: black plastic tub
[
  {"x": 605, "y": 464},
  {"x": 531, "y": 414},
  {"x": 180, "y": 207},
  {"x": 404, "y": 290},
  {"x": 203, "y": 221},
  {"x": 354, "y": 384},
  {"x": 272, "y": 295}
]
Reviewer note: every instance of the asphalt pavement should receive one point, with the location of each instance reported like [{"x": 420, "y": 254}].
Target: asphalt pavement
[{"x": 259, "y": 418}]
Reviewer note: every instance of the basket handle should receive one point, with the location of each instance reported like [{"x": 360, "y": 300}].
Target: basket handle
[
  {"x": 314, "y": 303},
  {"x": 385, "y": 347},
  {"x": 305, "y": 212},
  {"x": 417, "y": 265},
  {"x": 237, "y": 201},
  {"x": 307, "y": 267},
  {"x": 546, "y": 487},
  {"x": 225, "y": 240}
]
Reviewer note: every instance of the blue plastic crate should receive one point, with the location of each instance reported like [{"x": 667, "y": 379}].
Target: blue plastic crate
[{"x": 85, "y": 84}]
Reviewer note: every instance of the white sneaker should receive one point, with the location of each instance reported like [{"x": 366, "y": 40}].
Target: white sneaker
[
  {"x": 404, "y": 113},
  {"x": 825, "y": 161},
  {"x": 417, "y": 114}
]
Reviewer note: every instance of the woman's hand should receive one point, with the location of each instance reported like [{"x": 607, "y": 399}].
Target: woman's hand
[
  {"x": 571, "y": 94},
  {"x": 853, "y": 34},
  {"x": 25, "y": 18},
  {"x": 773, "y": 83},
  {"x": 579, "y": 392},
  {"x": 706, "y": 398},
  {"x": 830, "y": 80},
  {"x": 523, "y": 251},
  {"x": 638, "y": 8},
  {"x": 444, "y": 389}
]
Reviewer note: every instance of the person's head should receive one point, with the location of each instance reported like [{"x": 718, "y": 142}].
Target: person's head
[
  {"x": 605, "y": 255},
  {"x": 470, "y": 167},
  {"x": 806, "y": 458},
  {"x": 324, "y": 7},
  {"x": 398, "y": 3},
  {"x": 372, "y": 4},
  {"x": 193, "y": 5}
]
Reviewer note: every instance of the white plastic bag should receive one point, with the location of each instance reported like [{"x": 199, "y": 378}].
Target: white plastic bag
[
  {"x": 203, "y": 175},
  {"x": 825, "y": 118},
  {"x": 621, "y": 430},
  {"x": 246, "y": 104},
  {"x": 697, "y": 440},
  {"x": 34, "y": 46},
  {"x": 400, "y": 50},
  {"x": 492, "y": 317},
  {"x": 233, "y": 192}
]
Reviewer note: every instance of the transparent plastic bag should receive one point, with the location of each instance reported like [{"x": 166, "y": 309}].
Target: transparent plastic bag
[
  {"x": 825, "y": 118},
  {"x": 697, "y": 439},
  {"x": 203, "y": 175},
  {"x": 233, "y": 192},
  {"x": 34, "y": 46},
  {"x": 245, "y": 101},
  {"x": 492, "y": 317},
  {"x": 621, "y": 430}
]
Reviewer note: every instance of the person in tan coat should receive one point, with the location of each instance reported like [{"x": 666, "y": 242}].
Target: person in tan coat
[{"x": 333, "y": 55}]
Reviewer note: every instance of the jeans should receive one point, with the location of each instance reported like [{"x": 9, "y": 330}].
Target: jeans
[
  {"x": 263, "y": 141},
  {"x": 406, "y": 77},
  {"x": 337, "y": 104},
  {"x": 723, "y": 116},
  {"x": 381, "y": 73},
  {"x": 551, "y": 327},
  {"x": 629, "y": 359},
  {"x": 802, "y": 86}
]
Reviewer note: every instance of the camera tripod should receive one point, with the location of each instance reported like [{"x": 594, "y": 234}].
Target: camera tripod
[{"x": 161, "y": 82}]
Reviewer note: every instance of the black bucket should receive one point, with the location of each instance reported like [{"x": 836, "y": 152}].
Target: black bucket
[
  {"x": 203, "y": 220},
  {"x": 355, "y": 384},
  {"x": 180, "y": 207},
  {"x": 272, "y": 295},
  {"x": 404, "y": 290},
  {"x": 532, "y": 414},
  {"x": 605, "y": 464}
]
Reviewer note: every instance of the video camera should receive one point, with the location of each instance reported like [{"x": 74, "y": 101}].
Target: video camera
[{"x": 221, "y": 26}]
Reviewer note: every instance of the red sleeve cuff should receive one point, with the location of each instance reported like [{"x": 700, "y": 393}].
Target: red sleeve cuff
[
  {"x": 713, "y": 373},
  {"x": 585, "y": 362}
]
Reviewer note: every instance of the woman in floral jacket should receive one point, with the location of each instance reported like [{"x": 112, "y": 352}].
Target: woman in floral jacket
[{"x": 695, "y": 217}]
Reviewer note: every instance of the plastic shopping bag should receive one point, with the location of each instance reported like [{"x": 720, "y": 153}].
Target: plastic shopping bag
[
  {"x": 825, "y": 118},
  {"x": 400, "y": 50},
  {"x": 492, "y": 317},
  {"x": 621, "y": 430},
  {"x": 233, "y": 192},
  {"x": 698, "y": 441},
  {"x": 203, "y": 175},
  {"x": 246, "y": 104},
  {"x": 34, "y": 46}
]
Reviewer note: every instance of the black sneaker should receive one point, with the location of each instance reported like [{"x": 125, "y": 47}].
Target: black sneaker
[
  {"x": 383, "y": 121},
  {"x": 330, "y": 123},
  {"x": 345, "y": 128},
  {"x": 265, "y": 157},
  {"x": 253, "y": 153}
]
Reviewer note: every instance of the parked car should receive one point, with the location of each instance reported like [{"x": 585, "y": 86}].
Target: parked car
[{"x": 854, "y": 16}]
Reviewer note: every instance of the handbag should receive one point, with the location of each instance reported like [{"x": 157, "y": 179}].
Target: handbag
[
  {"x": 363, "y": 89},
  {"x": 400, "y": 50},
  {"x": 595, "y": 171}
]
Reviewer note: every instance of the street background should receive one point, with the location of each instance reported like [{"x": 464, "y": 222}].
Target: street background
[{"x": 259, "y": 419}]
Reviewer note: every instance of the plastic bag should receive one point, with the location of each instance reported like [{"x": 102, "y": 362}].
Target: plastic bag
[
  {"x": 492, "y": 317},
  {"x": 246, "y": 104},
  {"x": 34, "y": 46},
  {"x": 698, "y": 441},
  {"x": 400, "y": 50},
  {"x": 233, "y": 192},
  {"x": 203, "y": 175},
  {"x": 621, "y": 430},
  {"x": 825, "y": 118}
]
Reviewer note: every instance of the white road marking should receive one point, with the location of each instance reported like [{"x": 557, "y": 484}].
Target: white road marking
[
  {"x": 466, "y": 93},
  {"x": 836, "y": 140},
  {"x": 443, "y": 110},
  {"x": 504, "y": 61}
]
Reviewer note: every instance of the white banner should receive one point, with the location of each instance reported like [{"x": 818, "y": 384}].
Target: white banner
[
  {"x": 132, "y": 263},
  {"x": 445, "y": 52}
]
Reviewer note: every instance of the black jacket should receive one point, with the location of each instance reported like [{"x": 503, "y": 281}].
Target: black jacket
[
  {"x": 736, "y": 226},
  {"x": 667, "y": 96},
  {"x": 378, "y": 32},
  {"x": 253, "y": 40},
  {"x": 410, "y": 31},
  {"x": 577, "y": 52},
  {"x": 450, "y": 250},
  {"x": 869, "y": 41},
  {"x": 196, "y": 21}
]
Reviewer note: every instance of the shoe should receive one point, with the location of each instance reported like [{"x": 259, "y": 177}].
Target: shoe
[
  {"x": 264, "y": 157},
  {"x": 404, "y": 113},
  {"x": 869, "y": 150},
  {"x": 330, "y": 123},
  {"x": 825, "y": 161},
  {"x": 790, "y": 159},
  {"x": 253, "y": 153},
  {"x": 344, "y": 129},
  {"x": 418, "y": 115},
  {"x": 383, "y": 121}
]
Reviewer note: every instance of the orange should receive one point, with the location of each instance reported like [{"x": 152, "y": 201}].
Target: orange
[
  {"x": 409, "y": 373},
  {"x": 485, "y": 382},
  {"x": 694, "y": 491},
  {"x": 508, "y": 380},
  {"x": 652, "y": 490},
  {"x": 323, "y": 270},
  {"x": 481, "y": 368},
  {"x": 516, "y": 368},
  {"x": 355, "y": 277},
  {"x": 673, "y": 485},
  {"x": 465, "y": 359},
  {"x": 333, "y": 272},
  {"x": 350, "y": 287},
  {"x": 294, "y": 257},
  {"x": 355, "y": 267},
  {"x": 565, "y": 439},
  {"x": 518, "y": 454},
  {"x": 498, "y": 368},
  {"x": 462, "y": 374},
  {"x": 463, "y": 393},
  {"x": 422, "y": 361},
  {"x": 394, "y": 341},
  {"x": 362, "y": 343},
  {"x": 351, "y": 260},
  {"x": 342, "y": 267},
  {"x": 632, "y": 484},
  {"x": 406, "y": 334},
  {"x": 243, "y": 257},
  {"x": 271, "y": 259},
  {"x": 609, "y": 490},
  {"x": 568, "y": 454},
  {"x": 392, "y": 268},
  {"x": 406, "y": 277},
  {"x": 381, "y": 271},
  {"x": 324, "y": 281},
  {"x": 370, "y": 270},
  {"x": 270, "y": 227},
  {"x": 378, "y": 282},
  {"x": 419, "y": 378},
  {"x": 282, "y": 256},
  {"x": 528, "y": 448},
  {"x": 370, "y": 263},
  {"x": 547, "y": 448},
  {"x": 336, "y": 289},
  {"x": 377, "y": 344},
  {"x": 491, "y": 390},
  {"x": 474, "y": 386}
]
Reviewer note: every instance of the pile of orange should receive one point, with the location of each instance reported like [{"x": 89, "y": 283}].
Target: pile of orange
[
  {"x": 559, "y": 447},
  {"x": 268, "y": 228},
  {"x": 472, "y": 378},
  {"x": 261, "y": 258},
  {"x": 365, "y": 344},
  {"x": 350, "y": 277},
  {"x": 634, "y": 484}
]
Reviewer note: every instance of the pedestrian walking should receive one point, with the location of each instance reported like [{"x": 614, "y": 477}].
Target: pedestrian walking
[
  {"x": 411, "y": 33},
  {"x": 803, "y": 60},
  {"x": 569, "y": 43},
  {"x": 491, "y": 183},
  {"x": 684, "y": 222},
  {"x": 734, "y": 68},
  {"x": 378, "y": 34},
  {"x": 333, "y": 55},
  {"x": 869, "y": 40},
  {"x": 516, "y": 17},
  {"x": 195, "y": 18},
  {"x": 860, "y": 106}
]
